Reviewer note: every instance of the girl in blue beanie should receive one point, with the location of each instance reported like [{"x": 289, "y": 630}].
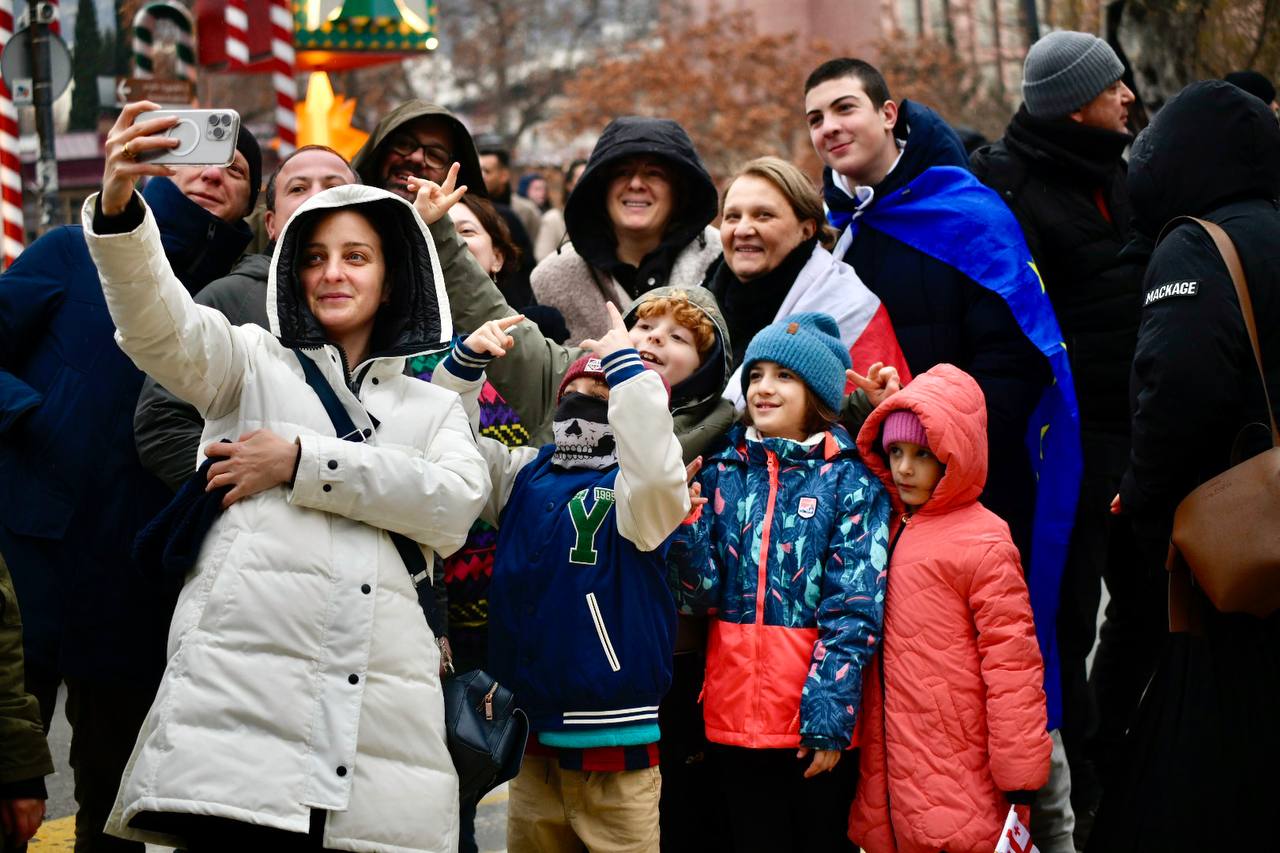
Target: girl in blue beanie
[{"x": 791, "y": 561}]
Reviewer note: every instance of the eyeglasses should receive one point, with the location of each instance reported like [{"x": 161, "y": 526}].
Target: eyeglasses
[{"x": 435, "y": 156}]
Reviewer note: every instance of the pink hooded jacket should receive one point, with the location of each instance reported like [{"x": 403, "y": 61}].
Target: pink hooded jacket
[{"x": 953, "y": 708}]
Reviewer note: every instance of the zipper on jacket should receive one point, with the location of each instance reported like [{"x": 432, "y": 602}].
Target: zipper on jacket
[
  {"x": 906, "y": 517},
  {"x": 762, "y": 570}
]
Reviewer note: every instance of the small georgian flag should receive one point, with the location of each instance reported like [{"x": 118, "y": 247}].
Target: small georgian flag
[{"x": 1015, "y": 838}]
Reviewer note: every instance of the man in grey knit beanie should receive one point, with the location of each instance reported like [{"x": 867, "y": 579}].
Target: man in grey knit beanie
[
  {"x": 1077, "y": 75},
  {"x": 1060, "y": 168}
]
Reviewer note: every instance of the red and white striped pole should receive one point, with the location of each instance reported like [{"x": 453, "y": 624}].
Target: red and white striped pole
[
  {"x": 10, "y": 166},
  {"x": 236, "y": 17},
  {"x": 282, "y": 71}
]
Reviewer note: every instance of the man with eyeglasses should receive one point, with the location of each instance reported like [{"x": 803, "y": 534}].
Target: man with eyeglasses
[
  {"x": 421, "y": 140},
  {"x": 418, "y": 140}
]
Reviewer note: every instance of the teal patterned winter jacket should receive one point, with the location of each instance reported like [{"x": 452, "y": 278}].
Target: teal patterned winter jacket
[{"x": 792, "y": 632}]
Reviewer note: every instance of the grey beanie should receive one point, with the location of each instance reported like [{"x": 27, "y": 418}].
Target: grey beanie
[{"x": 1066, "y": 70}]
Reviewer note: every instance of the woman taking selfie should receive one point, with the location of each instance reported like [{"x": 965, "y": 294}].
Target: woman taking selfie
[{"x": 301, "y": 706}]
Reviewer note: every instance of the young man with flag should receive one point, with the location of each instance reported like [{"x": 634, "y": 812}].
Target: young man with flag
[{"x": 949, "y": 262}]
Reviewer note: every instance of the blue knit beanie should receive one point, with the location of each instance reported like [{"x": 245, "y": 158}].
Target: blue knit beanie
[{"x": 810, "y": 346}]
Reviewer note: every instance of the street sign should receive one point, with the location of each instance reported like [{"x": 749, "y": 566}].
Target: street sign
[
  {"x": 15, "y": 67},
  {"x": 166, "y": 92}
]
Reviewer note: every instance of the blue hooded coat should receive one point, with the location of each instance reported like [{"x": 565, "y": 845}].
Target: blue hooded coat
[{"x": 72, "y": 491}]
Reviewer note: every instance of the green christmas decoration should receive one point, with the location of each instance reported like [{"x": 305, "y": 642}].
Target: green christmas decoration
[{"x": 87, "y": 59}]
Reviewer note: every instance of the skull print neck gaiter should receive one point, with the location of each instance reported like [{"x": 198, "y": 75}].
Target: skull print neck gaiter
[{"x": 583, "y": 436}]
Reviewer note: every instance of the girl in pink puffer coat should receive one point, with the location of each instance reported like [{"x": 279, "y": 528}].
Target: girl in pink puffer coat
[{"x": 953, "y": 706}]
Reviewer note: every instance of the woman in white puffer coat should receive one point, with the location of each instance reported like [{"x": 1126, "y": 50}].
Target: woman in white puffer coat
[{"x": 301, "y": 705}]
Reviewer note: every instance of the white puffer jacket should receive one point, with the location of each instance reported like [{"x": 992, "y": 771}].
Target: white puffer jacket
[{"x": 301, "y": 672}]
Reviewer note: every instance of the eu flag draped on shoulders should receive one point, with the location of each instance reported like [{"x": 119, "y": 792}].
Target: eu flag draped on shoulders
[{"x": 947, "y": 214}]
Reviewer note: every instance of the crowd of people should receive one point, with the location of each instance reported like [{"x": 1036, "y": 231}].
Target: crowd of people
[{"x": 783, "y": 510}]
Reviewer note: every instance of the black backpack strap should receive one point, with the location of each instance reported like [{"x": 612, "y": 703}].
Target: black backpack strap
[{"x": 410, "y": 553}]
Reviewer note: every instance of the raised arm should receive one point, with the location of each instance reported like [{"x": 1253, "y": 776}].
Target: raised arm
[
  {"x": 462, "y": 372},
  {"x": 527, "y": 378},
  {"x": 652, "y": 496},
  {"x": 191, "y": 350}
]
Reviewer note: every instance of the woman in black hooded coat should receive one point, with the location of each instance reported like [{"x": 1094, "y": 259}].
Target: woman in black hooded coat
[
  {"x": 638, "y": 218},
  {"x": 1202, "y": 754}
]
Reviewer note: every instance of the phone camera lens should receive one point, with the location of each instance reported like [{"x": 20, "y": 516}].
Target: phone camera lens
[
  {"x": 218, "y": 133},
  {"x": 226, "y": 121},
  {"x": 213, "y": 121}
]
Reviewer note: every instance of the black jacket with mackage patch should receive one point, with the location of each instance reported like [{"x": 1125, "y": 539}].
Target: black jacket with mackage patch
[{"x": 1194, "y": 382}]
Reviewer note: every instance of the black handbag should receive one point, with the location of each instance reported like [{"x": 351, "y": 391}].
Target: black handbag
[{"x": 484, "y": 730}]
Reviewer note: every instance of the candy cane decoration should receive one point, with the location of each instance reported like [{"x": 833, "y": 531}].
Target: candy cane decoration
[
  {"x": 10, "y": 166},
  {"x": 282, "y": 69},
  {"x": 236, "y": 17},
  {"x": 144, "y": 48}
]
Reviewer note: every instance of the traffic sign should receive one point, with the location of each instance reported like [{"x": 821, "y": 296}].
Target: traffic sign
[
  {"x": 166, "y": 92},
  {"x": 15, "y": 67}
]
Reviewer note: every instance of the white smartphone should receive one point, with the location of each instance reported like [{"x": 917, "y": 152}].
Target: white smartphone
[{"x": 205, "y": 137}]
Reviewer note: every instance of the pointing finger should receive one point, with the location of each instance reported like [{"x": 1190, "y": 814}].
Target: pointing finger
[
  {"x": 451, "y": 179},
  {"x": 615, "y": 317}
]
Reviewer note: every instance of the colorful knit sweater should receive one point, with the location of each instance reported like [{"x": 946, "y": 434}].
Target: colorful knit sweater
[{"x": 467, "y": 572}]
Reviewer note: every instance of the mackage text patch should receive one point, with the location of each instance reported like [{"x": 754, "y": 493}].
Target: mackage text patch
[{"x": 1173, "y": 288}]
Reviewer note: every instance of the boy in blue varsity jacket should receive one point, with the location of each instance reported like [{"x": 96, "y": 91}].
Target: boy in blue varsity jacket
[{"x": 581, "y": 620}]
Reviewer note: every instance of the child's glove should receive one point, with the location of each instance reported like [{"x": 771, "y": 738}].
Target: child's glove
[{"x": 1020, "y": 798}]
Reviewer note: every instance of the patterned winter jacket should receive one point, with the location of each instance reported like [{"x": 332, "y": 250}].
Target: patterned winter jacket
[
  {"x": 790, "y": 555},
  {"x": 957, "y": 718}
]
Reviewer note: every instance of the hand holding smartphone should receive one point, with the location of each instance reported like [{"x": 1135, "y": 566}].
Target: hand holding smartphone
[{"x": 205, "y": 137}]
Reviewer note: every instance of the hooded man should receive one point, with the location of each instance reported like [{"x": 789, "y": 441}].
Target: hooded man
[
  {"x": 1060, "y": 169},
  {"x": 73, "y": 492},
  {"x": 421, "y": 140}
]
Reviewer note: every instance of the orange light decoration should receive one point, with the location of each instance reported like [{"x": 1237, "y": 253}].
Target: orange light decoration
[{"x": 325, "y": 118}]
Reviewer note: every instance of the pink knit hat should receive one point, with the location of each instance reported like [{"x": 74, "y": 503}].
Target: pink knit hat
[{"x": 903, "y": 425}]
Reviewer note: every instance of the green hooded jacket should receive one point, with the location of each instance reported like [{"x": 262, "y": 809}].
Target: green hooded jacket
[{"x": 24, "y": 758}]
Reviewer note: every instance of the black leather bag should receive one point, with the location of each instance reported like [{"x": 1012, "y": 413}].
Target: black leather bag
[
  {"x": 487, "y": 732},
  {"x": 484, "y": 730}
]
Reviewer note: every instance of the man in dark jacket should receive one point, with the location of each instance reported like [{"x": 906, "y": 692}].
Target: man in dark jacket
[
  {"x": 167, "y": 430},
  {"x": 1205, "y": 740},
  {"x": 72, "y": 491},
  {"x": 1059, "y": 168},
  {"x": 951, "y": 267}
]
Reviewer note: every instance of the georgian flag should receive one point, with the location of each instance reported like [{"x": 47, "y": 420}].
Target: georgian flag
[{"x": 831, "y": 286}]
